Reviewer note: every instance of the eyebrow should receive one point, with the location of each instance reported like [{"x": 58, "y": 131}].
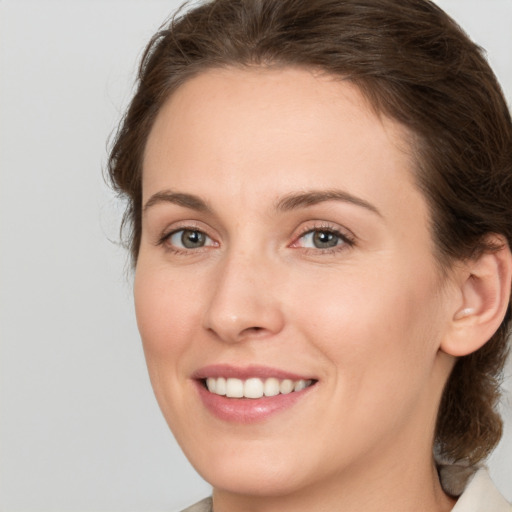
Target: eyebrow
[
  {"x": 186, "y": 200},
  {"x": 287, "y": 203},
  {"x": 311, "y": 198}
]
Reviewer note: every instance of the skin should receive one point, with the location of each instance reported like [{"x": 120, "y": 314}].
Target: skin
[{"x": 366, "y": 318}]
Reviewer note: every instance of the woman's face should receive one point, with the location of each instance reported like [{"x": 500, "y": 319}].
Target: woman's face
[{"x": 284, "y": 244}]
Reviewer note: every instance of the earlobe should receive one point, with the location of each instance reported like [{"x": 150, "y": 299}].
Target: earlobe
[{"x": 485, "y": 285}]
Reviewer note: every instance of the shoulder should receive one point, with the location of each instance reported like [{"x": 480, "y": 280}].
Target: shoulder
[
  {"x": 202, "y": 506},
  {"x": 481, "y": 495}
]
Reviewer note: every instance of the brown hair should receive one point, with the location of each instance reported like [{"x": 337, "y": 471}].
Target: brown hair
[{"x": 414, "y": 64}]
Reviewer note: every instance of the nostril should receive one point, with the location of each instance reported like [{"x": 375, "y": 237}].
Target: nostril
[{"x": 252, "y": 330}]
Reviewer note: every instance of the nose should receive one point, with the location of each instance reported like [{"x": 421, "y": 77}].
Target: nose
[{"x": 244, "y": 301}]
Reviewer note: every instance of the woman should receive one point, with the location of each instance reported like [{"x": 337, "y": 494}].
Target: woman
[{"x": 319, "y": 195}]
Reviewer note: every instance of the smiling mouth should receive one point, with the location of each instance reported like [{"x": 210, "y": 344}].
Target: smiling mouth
[{"x": 254, "y": 387}]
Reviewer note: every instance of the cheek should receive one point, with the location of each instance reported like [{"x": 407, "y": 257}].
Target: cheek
[
  {"x": 381, "y": 326},
  {"x": 168, "y": 319},
  {"x": 167, "y": 312},
  {"x": 379, "y": 341}
]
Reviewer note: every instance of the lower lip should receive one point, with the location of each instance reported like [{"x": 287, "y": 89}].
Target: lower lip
[{"x": 248, "y": 410}]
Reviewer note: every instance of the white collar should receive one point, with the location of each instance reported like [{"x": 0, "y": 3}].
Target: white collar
[{"x": 481, "y": 495}]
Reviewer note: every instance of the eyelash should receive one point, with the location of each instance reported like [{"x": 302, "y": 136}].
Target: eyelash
[
  {"x": 164, "y": 240},
  {"x": 347, "y": 240}
]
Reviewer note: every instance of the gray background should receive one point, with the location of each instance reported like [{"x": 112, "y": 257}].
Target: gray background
[{"x": 79, "y": 427}]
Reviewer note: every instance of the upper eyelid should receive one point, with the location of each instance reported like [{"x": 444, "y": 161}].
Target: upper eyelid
[
  {"x": 192, "y": 225},
  {"x": 165, "y": 242},
  {"x": 326, "y": 226},
  {"x": 169, "y": 231}
]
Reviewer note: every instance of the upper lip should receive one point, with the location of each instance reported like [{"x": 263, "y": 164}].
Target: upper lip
[{"x": 246, "y": 372}]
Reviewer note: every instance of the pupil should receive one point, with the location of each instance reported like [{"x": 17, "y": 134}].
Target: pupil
[
  {"x": 323, "y": 239},
  {"x": 192, "y": 239}
]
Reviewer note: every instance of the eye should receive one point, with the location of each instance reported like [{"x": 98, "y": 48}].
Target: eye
[
  {"x": 188, "y": 239},
  {"x": 322, "y": 239}
]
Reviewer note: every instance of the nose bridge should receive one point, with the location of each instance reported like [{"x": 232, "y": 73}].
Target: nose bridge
[{"x": 244, "y": 301}]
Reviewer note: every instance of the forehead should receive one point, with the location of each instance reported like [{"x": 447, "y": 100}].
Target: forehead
[
  {"x": 272, "y": 130},
  {"x": 287, "y": 98}
]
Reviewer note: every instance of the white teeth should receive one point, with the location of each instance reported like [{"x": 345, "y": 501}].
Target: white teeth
[
  {"x": 254, "y": 387},
  {"x": 271, "y": 387},
  {"x": 299, "y": 385},
  {"x": 234, "y": 388},
  {"x": 210, "y": 384},
  {"x": 220, "y": 386},
  {"x": 286, "y": 386}
]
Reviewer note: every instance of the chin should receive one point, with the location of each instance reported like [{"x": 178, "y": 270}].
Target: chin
[
  {"x": 267, "y": 482},
  {"x": 244, "y": 472}
]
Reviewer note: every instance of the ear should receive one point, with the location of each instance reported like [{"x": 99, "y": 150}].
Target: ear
[{"x": 485, "y": 285}]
